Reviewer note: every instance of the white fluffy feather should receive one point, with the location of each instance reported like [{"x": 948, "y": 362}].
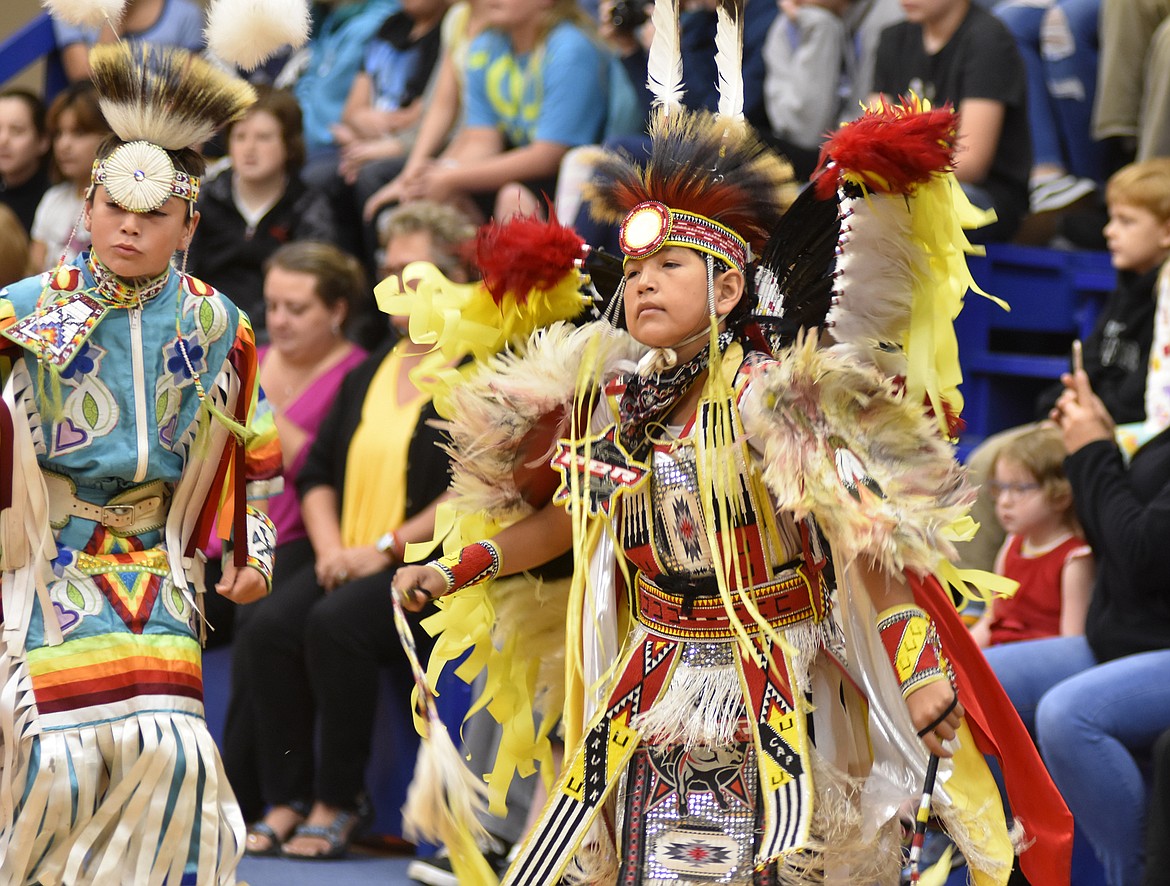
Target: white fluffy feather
[
  {"x": 729, "y": 58},
  {"x": 246, "y": 32},
  {"x": 87, "y": 13},
  {"x": 664, "y": 71}
]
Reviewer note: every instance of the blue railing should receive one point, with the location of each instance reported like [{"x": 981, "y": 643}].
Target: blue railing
[{"x": 28, "y": 45}]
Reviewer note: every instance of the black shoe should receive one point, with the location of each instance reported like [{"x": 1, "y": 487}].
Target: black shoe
[{"x": 436, "y": 871}]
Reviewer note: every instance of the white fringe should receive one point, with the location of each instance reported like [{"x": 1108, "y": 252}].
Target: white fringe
[
  {"x": 124, "y": 772},
  {"x": 701, "y": 707},
  {"x": 445, "y": 796}
]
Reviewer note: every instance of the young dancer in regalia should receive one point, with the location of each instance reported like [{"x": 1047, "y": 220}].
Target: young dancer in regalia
[
  {"x": 131, "y": 420},
  {"x": 759, "y": 662}
]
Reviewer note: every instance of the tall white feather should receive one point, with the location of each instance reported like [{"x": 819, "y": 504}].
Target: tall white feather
[
  {"x": 664, "y": 69},
  {"x": 729, "y": 58},
  {"x": 86, "y": 13},
  {"x": 246, "y": 32}
]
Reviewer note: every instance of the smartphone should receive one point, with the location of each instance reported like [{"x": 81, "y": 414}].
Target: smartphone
[{"x": 1078, "y": 357}]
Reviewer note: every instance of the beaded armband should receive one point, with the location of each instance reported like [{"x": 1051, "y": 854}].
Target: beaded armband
[
  {"x": 473, "y": 565},
  {"x": 261, "y": 543},
  {"x": 913, "y": 647}
]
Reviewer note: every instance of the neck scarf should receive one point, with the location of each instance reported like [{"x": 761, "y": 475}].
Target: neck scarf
[{"x": 647, "y": 399}]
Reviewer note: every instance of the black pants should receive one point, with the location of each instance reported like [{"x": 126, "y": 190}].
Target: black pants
[{"x": 305, "y": 672}]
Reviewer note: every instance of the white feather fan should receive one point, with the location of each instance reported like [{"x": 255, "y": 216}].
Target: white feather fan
[
  {"x": 247, "y": 32},
  {"x": 87, "y": 13}
]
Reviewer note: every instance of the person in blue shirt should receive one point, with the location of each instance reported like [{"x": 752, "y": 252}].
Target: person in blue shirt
[
  {"x": 536, "y": 87},
  {"x": 176, "y": 23},
  {"x": 336, "y": 50}
]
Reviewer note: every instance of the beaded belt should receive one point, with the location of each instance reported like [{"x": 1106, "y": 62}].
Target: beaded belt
[{"x": 784, "y": 601}]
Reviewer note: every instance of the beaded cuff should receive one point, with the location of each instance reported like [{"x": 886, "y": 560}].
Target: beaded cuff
[
  {"x": 913, "y": 647},
  {"x": 261, "y": 543},
  {"x": 473, "y": 565}
]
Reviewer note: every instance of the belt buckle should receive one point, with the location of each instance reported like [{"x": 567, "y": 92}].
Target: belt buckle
[{"x": 117, "y": 516}]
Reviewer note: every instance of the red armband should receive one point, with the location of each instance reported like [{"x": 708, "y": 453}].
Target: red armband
[
  {"x": 473, "y": 565},
  {"x": 913, "y": 647}
]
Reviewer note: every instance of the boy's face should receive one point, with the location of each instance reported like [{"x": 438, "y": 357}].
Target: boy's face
[
  {"x": 1137, "y": 239},
  {"x": 666, "y": 298},
  {"x": 137, "y": 244}
]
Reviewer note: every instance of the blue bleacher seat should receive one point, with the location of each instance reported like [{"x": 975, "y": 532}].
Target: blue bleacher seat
[{"x": 1009, "y": 357}]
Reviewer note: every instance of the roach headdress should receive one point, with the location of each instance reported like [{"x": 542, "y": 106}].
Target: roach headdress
[{"x": 710, "y": 184}]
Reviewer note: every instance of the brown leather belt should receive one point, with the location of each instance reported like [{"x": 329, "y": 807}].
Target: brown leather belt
[
  {"x": 132, "y": 512},
  {"x": 788, "y": 599}
]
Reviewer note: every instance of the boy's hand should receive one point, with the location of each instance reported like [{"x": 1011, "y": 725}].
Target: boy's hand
[
  {"x": 417, "y": 586},
  {"x": 241, "y": 585},
  {"x": 926, "y": 705}
]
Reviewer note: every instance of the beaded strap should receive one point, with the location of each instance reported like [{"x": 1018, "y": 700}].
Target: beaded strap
[
  {"x": 473, "y": 565},
  {"x": 261, "y": 543},
  {"x": 913, "y": 647}
]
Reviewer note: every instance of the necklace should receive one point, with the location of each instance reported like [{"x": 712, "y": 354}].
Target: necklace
[{"x": 118, "y": 293}]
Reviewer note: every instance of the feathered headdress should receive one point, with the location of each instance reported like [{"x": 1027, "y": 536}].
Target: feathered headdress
[
  {"x": 158, "y": 100},
  {"x": 713, "y": 184},
  {"x": 901, "y": 269}
]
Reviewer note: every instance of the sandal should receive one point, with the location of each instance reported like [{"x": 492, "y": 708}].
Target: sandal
[
  {"x": 348, "y": 825},
  {"x": 264, "y": 829}
]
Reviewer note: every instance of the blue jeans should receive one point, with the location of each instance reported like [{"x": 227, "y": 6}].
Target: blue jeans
[
  {"x": 1089, "y": 720},
  {"x": 1058, "y": 41}
]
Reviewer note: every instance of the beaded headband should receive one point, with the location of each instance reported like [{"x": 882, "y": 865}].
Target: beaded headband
[
  {"x": 651, "y": 226},
  {"x": 140, "y": 177}
]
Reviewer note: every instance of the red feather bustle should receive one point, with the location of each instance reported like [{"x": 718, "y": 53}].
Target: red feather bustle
[
  {"x": 890, "y": 149},
  {"x": 525, "y": 253}
]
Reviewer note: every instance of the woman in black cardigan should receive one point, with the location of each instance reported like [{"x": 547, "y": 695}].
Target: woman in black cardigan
[{"x": 1094, "y": 702}]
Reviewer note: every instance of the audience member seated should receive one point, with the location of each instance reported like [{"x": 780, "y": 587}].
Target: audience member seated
[
  {"x": 1117, "y": 354},
  {"x": 307, "y": 660},
  {"x": 1058, "y": 42},
  {"x": 440, "y": 125},
  {"x": 1093, "y": 702},
  {"x": 537, "y": 85},
  {"x": 14, "y": 248},
  {"x": 24, "y": 154},
  {"x": 952, "y": 51},
  {"x": 258, "y": 204},
  {"x": 169, "y": 22},
  {"x": 308, "y": 292},
  {"x": 865, "y": 20},
  {"x": 804, "y": 59},
  {"x": 76, "y": 127},
  {"x": 385, "y": 103},
  {"x": 323, "y": 72},
  {"x": 1044, "y": 550},
  {"x": 1131, "y": 112}
]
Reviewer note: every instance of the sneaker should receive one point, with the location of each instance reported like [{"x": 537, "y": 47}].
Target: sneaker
[
  {"x": 436, "y": 871},
  {"x": 1059, "y": 193}
]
